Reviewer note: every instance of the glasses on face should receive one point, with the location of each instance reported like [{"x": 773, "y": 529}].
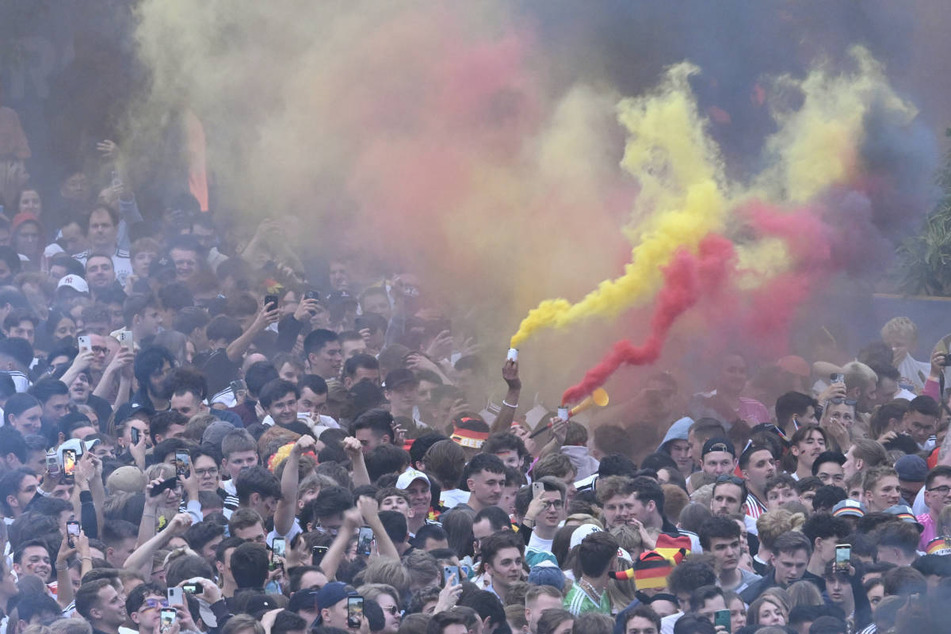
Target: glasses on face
[
  {"x": 943, "y": 489},
  {"x": 151, "y": 604},
  {"x": 207, "y": 473},
  {"x": 394, "y": 610},
  {"x": 554, "y": 504},
  {"x": 100, "y": 350}
]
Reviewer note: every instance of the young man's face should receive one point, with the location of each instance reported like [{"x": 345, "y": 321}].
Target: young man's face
[
  {"x": 761, "y": 467},
  {"x": 35, "y": 560},
  {"x": 680, "y": 451},
  {"x": 727, "y": 552},
  {"x": 534, "y": 609},
  {"x": 369, "y": 439},
  {"x": 510, "y": 458},
  {"x": 254, "y": 533},
  {"x": 239, "y": 461},
  {"x": 284, "y": 409},
  {"x": 396, "y": 503},
  {"x": 187, "y": 404},
  {"x": 618, "y": 510},
  {"x": 790, "y": 567},
  {"x": 831, "y": 473},
  {"x": 207, "y": 472},
  {"x": 116, "y": 555},
  {"x": 327, "y": 361},
  {"x": 809, "y": 448},
  {"x": 554, "y": 512},
  {"x": 420, "y": 497},
  {"x": 938, "y": 495},
  {"x": 312, "y": 402},
  {"x": 884, "y": 494},
  {"x": 779, "y": 495},
  {"x": 919, "y": 426},
  {"x": 505, "y": 567},
  {"x": 486, "y": 487},
  {"x": 727, "y": 499},
  {"x": 717, "y": 463}
]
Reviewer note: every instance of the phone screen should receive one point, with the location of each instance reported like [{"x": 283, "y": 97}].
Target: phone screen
[
  {"x": 52, "y": 465},
  {"x": 843, "y": 557},
  {"x": 182, "y": 463},
  {"x": 278, "y": 547},
  {"x": 69, "y": 462},
  {"x": 72, "y": 530},
  {"x": 364, "y": 541},
  {"x": 167, "y": 618},
  {"x": 354, "y": 611}
]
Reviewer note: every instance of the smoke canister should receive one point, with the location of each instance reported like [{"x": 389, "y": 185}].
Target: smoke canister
[
  {"x": 512, "y": 355},
  {"x": 564, "y": 413}
]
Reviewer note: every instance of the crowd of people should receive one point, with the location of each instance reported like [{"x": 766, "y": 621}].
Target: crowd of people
[{"x": 195, "y": 438}]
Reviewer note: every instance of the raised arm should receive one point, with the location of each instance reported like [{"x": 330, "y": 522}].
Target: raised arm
[
  {"x": 503, "y": 422},
  {"x": 141, "y": 559},
  {"x": 287, "y": 506}
]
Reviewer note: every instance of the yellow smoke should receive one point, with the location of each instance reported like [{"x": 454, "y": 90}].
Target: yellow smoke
[{"x": 684, "y": 194}]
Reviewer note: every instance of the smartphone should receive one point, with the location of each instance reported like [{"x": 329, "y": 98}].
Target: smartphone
[
  {"x": 167, "y": 617},
  {"x": 165, "y": 485},
  {"x": 125, "y": 339},
  {"x": 270, "y": 302},
  {"x": 69, "y": 464},
  {"x": 843, "y": 557},
  {"x": 176, "y": 596},
  {"x": 537, "y": 489},
  {"x": 354, "y": 612},
  {"x": 317, "y": 555},
  {"x": 72, "y": 530},
  {"x": 312, "y": 295},
  {"x": 364, "y": 541},
  {"x": 52, "y": 465},
  {"x": 85, "y": 343},
  {"x": 278, "y": 547},
  {"x": 448, "y": 571},
  {"x": 135, "y": 435},
  {"x": 722, "y": 618},
  {"x": 193, "y": 588},
  {"x": 837, "y": 378},
  {"x": 183, "y": 464}
]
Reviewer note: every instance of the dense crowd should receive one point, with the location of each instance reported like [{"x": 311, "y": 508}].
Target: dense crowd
[{"x": 202, "y": 434}]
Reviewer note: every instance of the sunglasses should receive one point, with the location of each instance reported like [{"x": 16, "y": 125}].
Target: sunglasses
[{"x": 732, "y": 479}]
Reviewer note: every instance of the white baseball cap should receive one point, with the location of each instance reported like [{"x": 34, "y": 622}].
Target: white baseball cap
[
  {"x": 407, "y": 477},
  {"x": 74, "y": 282}
]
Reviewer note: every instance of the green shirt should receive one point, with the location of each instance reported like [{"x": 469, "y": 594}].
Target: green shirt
[{"x": 577, "y": 601}]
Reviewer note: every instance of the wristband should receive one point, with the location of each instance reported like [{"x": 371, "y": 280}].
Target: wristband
[{"x": 509, "y": 404}]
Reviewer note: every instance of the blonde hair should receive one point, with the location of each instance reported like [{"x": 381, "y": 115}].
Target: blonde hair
[
  {"x": 902, "y": 327},
  {"x": 772, "y": 524},
  {"x": 388, "y": 571}
]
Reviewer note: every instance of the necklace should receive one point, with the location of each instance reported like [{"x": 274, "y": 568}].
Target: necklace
[{"x": 588, "y": 588}]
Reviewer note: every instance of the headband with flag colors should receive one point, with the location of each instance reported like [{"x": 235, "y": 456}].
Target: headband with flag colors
[
  {"x": 939, "y": 546},
  {"x": 469, "y": 438}
]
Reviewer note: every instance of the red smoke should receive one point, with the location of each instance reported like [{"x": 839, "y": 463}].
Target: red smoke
[
  {"x": 772, "y": 306},
  {"x": 686, "y": 278}
]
